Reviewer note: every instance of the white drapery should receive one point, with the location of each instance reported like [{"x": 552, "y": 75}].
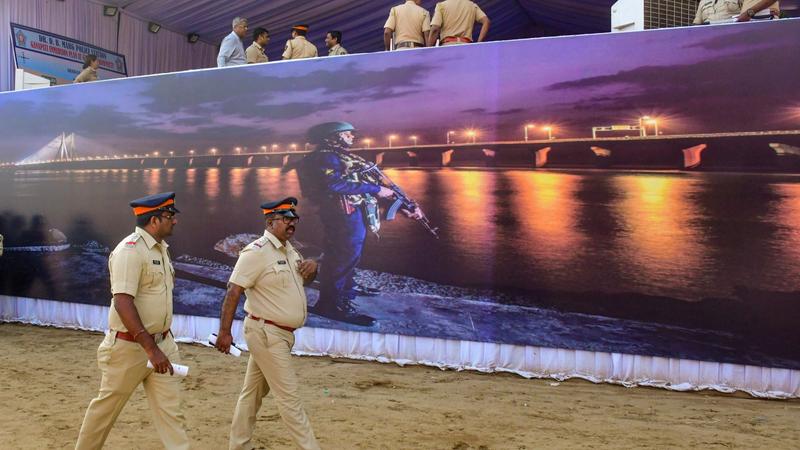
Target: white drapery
[
  {"x": 527, "y": 361},
  {"x": 145, "y": 52}
]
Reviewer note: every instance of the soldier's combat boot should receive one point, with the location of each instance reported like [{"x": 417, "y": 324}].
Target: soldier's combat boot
[{"x": 343, "y": 311}]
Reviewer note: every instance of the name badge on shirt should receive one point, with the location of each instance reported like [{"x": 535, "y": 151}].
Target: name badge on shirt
[
  {"x": 156, "y": 262},
  {"x": 281, "y": 262}
]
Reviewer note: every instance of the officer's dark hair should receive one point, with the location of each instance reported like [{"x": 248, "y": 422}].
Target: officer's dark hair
[
  {"x": 88, "y": 60},
  {"x": 144, "y": 219},
  {"x": 336, "y": 34},
  {"x": 259, "y": 31}
]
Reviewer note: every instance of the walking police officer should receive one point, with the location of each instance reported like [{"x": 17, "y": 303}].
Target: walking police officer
[
  {"x": 142, "y": 279},
  {"x": 271, "y": 274}
]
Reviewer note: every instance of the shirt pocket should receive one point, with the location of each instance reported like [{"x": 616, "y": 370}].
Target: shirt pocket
[
  {"x": 731, "y": 7},
  {"x": 279, "y": 275},
  {"x": 153, "y": 279}
]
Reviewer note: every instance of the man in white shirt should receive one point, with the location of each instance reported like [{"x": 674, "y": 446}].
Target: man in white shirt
[{"x": 231, "y": 51}]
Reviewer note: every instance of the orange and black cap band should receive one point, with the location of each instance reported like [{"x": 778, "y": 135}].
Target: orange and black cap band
[
  {"x": 280, "y": 208},
  {"x": 140, "y": 210}
]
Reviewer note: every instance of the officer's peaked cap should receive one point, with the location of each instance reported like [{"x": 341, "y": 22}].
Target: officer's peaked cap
[
  {"x": 284, "y": 207},
  {"x": 164, "y": 201}
]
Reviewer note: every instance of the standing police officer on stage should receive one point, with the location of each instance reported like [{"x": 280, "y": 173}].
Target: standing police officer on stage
[
  {"x": 329, "y": 177},
  {"x": 453, "y": 20},
  {"x": 142, "y": 279},
  {"x": 298, "y": 46}
]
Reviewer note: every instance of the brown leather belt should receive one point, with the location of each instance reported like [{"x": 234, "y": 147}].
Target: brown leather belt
[
  {"x": 450, "y": 39},
  {"x": 408, "y": 44},
  {"x": 283, "y": 327},
  {"x": 129, "y": 337}
]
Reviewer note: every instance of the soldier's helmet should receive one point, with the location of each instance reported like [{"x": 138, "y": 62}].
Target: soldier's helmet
[{"x": 319, "y": 133}]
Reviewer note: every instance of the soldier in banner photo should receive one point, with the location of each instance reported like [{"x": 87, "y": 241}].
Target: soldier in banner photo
[
  {"x": 346, "y": 188},
  {"x": 139, "y": 320}
]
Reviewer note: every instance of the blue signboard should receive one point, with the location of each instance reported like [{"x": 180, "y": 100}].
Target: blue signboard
[{"x": 59, "y": 58}]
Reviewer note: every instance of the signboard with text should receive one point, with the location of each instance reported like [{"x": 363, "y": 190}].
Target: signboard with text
[{"x": 59, "y": 58}]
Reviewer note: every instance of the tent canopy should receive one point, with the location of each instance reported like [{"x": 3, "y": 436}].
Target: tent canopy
[{"x": 361, "y": 22}]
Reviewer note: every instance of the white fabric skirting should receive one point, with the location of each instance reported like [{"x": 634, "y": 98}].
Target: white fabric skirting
[{"x": 527, "y": 361}]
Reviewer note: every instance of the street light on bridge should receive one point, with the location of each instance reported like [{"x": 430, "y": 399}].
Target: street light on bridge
[
  {"x": 264, "y": 148},
  {"x": 367, "y": 142},
  {"x": 238, "y": 149},
  {"x": 155, "y": 153},
  {"x": 414, "y": 138},
  {"x": 213, "y": 151},
  {"x": 525, "y": 129},
  {"x": 171, "y": 153},
  {"x": 293, "y": 146},
  {"x": 191, "y": 152},
  {"x": 472, "y": 134},
  {"x": 549, "y": 130},
  {"x": 647, "y": 120},
  {"x": 450, "y": 133},
  {"x": 274, "y": 147},
  {"x": 391, "y": 136}
]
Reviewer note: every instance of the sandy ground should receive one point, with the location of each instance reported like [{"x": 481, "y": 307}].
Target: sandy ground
[{"x": 49, "y": 376}]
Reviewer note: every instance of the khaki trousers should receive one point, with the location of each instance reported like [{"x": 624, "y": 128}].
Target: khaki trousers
[
  {"x": 269, "y": 368},
  {"x": 123, "y": 365}
]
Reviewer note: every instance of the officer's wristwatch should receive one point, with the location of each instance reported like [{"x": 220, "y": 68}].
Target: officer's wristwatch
[{"x": 751, "y": 13}]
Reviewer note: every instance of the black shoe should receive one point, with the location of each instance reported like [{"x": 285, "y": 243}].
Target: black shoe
[
  {"x": 366, "y": 291},
  {"x": 343, "y": 312}
]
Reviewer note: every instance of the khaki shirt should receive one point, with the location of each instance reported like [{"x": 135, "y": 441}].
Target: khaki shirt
[
  {"x": 299, "y": 48},
  {"x": 87, "y": 74},
  {"x": 774, "y": 8},
  {"x": 409, "y": 22},
  {"x": 267, "y": 270},
  {"x": 141, "y": 267},
  {"x": 717, "y": 10},
  {"x": 456, "y": 18},
  {"x": 255, "y": 54},
  {"x": 337, "y": 50}
]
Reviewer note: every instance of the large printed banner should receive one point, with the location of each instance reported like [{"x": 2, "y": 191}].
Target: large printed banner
[
  {"x": 60, "y": 59},
  {"x": 635, "y": 192}
]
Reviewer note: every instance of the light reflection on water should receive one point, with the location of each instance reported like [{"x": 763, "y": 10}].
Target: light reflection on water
[{"x": 680, "y": 235}]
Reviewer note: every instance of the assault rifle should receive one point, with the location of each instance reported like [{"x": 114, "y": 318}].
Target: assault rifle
[{"x": 373, "y": 174}]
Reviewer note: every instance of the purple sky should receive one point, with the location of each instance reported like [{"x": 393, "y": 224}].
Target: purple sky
[{"x": 740, "y": 77}]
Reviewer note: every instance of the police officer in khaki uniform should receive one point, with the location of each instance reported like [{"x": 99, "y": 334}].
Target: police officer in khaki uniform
[
  {"x": 255, "y": 54},
  {"x": 453, "y": 21},
  {"x": 752, "y": 8},
  {"x": 271, "y": 274},
  {"x": 89, "y": 72},
  {"x": 298, "y": 46},
  {"x": 410, "y": 24},
  {"x": 333, "y": 40},
  {"x": 717, "y": 11},
  {"x": 139, "y": 323}
]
